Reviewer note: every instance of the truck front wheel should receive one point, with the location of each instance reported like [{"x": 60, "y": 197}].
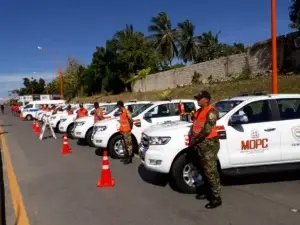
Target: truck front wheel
[{"x": 185, "y": 173}]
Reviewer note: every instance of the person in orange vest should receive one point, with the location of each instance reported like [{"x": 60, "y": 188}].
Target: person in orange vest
[
  {"x": 82, "y": 112},
  {"x": 70, "y": 110},
  {"x": 125, "y": 129},
  {"x": 204, "y": 139},
  {"x": 99, "y": 115}
]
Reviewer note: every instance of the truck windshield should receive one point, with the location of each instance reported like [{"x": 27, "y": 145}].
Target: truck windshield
[
  {"x": 141, "y": 109},
  {"x": 110, "y": 108},
  {"x": 225, "y": 106}
]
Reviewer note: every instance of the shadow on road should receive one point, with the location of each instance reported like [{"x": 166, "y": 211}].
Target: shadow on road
[
  {"x": 81, "y": 142},
  {"x": 234, "y": 180},
  {"x": 4, "y": 132},
  {"x": 5, "y": 125},
  {"x": 152, "y": 177},
  {"x": 99, "y": 152},
  {"x": 260, "y": 178},
  {"x": 2, "y": 193}
]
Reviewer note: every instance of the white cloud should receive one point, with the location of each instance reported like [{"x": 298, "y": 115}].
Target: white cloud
[{"x": 15, "y": 80}]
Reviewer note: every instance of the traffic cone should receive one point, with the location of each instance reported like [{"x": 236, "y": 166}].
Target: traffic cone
[
  {"x": 65, "y": 148},
  {"x": 105, "y": 180},
  {"x": 37, "y": 129}
]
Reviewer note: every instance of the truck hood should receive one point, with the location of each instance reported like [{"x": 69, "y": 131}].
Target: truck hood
[
  {"x": 177, "y": 127},
  {"x": 68, "y": 116},
  {"x": 106, "y": 122},
  {"x": 167, "y": 128},
  {"x": 86, "y": 118}
]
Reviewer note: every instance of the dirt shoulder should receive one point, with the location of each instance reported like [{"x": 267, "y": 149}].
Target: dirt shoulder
[{"x": 286, "y": 84}]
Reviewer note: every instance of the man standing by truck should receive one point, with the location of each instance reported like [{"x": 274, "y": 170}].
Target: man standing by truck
[
  {"x": 204, "y": 139},
  {"x": 99, "y": 115},
  {"x": 82, "y": 112},
  {"x": 125, "y": 130}
]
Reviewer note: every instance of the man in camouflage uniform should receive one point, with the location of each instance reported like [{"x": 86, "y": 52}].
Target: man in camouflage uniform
[
  {"x": 125, "y": 130},
  {"x": 208, "y": 149}
]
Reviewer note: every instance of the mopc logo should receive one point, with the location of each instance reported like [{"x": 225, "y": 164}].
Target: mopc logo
[
  {"x": 296, "y": 132},
  {"x": 254, "y": 144}
]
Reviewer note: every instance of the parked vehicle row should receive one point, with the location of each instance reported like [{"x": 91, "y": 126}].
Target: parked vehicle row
[{"x": 257, "y": 134}]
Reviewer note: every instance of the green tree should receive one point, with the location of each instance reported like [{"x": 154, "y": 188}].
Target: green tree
[
  {"x": 134, "y": 52},
  {"x": 295, "y": 14},
  {"x": 187, "y": 42},
  {"x": 32, "y": 86},
  {"x": 164, "y": 36}
]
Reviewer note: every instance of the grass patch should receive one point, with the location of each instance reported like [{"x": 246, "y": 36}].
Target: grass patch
[{"x": 286, "y": 84}]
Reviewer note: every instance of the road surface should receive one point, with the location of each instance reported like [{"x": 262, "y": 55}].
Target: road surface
[{"x": 51, "y": 189}]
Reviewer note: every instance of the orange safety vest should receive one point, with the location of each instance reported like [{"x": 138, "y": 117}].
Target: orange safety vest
[
  {"x": 96, "y": 118},
  {"x": 180, "y": 108},
  {"x": 124, "y": 123},
  {"x": 47, "y": 109},
  {"x": 82, "y": 113},
  {"x": 199, "y": 121}
]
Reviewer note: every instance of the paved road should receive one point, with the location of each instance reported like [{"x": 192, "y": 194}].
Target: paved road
[{"x": 60, "y": 190}]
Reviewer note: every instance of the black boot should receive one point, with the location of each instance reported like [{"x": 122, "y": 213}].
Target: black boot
[
  {"x": 128, "y": 160},
  {"x": 125, "y": 156},
  {"x": 202, "y": 196},
  {"x": 214, "y": 203}
]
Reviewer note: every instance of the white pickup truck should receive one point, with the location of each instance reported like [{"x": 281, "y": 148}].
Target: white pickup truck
[
  {"x": 106, "y": 132},
  {"x": 262, "y": 133}
]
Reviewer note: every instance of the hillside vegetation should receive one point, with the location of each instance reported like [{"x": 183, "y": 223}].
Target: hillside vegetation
[{"x": 287, "y": 84}]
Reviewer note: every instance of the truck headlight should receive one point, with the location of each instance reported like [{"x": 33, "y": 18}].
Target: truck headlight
[
  {"x": 159, "y": 140},
  {"x": 79, "y": 123},
  {"x": 100, "y": 128}
]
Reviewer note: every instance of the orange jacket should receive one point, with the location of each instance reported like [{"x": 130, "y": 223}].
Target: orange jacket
[
  {"x": 97, "y": 111},
  {"x": 82, "y": 112},
  {"x": 199, "y": 121},
  {"x": 124, "y": 122}
]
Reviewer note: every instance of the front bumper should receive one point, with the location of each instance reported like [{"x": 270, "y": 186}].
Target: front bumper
[
  {"x": 100, "y": 139},
  {"x": 79, "y": 133},
  {"x": 154, "y": 158}
]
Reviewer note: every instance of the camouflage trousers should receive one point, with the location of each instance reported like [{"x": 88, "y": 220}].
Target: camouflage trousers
[
  {"x": 127, "y": 142},
  {"x": 208, "y": 151}
]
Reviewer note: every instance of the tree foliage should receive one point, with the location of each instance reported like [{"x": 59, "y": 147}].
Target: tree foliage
[
  {"x": 130, "y": 56},
  {"x": 295, "y": 14},
  {"x": 31, "y": 86}
]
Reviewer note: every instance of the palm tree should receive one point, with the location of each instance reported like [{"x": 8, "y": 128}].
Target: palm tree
[
  {"x": 208, "y": 39},
  {"x": 164, "y": 36},
  {"x": 187, "y": 41},
  {"x": 209, "y": 47}
]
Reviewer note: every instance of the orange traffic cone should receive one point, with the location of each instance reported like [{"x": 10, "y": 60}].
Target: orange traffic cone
[
  {"x": 37, "y": 129},
  {"x": 105, "y": 179},
  {"x": 65, "y": 148}
]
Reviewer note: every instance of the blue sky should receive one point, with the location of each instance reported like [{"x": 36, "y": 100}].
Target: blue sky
[{"x": 73, "y": 28}]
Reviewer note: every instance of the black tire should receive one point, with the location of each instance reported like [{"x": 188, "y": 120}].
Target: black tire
[
  {"x": 88, "y": 137},
  {"x": 111, "y": 144},
  {"x": 177, "y": 173},
  {"x": 69, "y": 131},
  {"x": 56, "y": 130},
  {"x": 29, "y": 117}
]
